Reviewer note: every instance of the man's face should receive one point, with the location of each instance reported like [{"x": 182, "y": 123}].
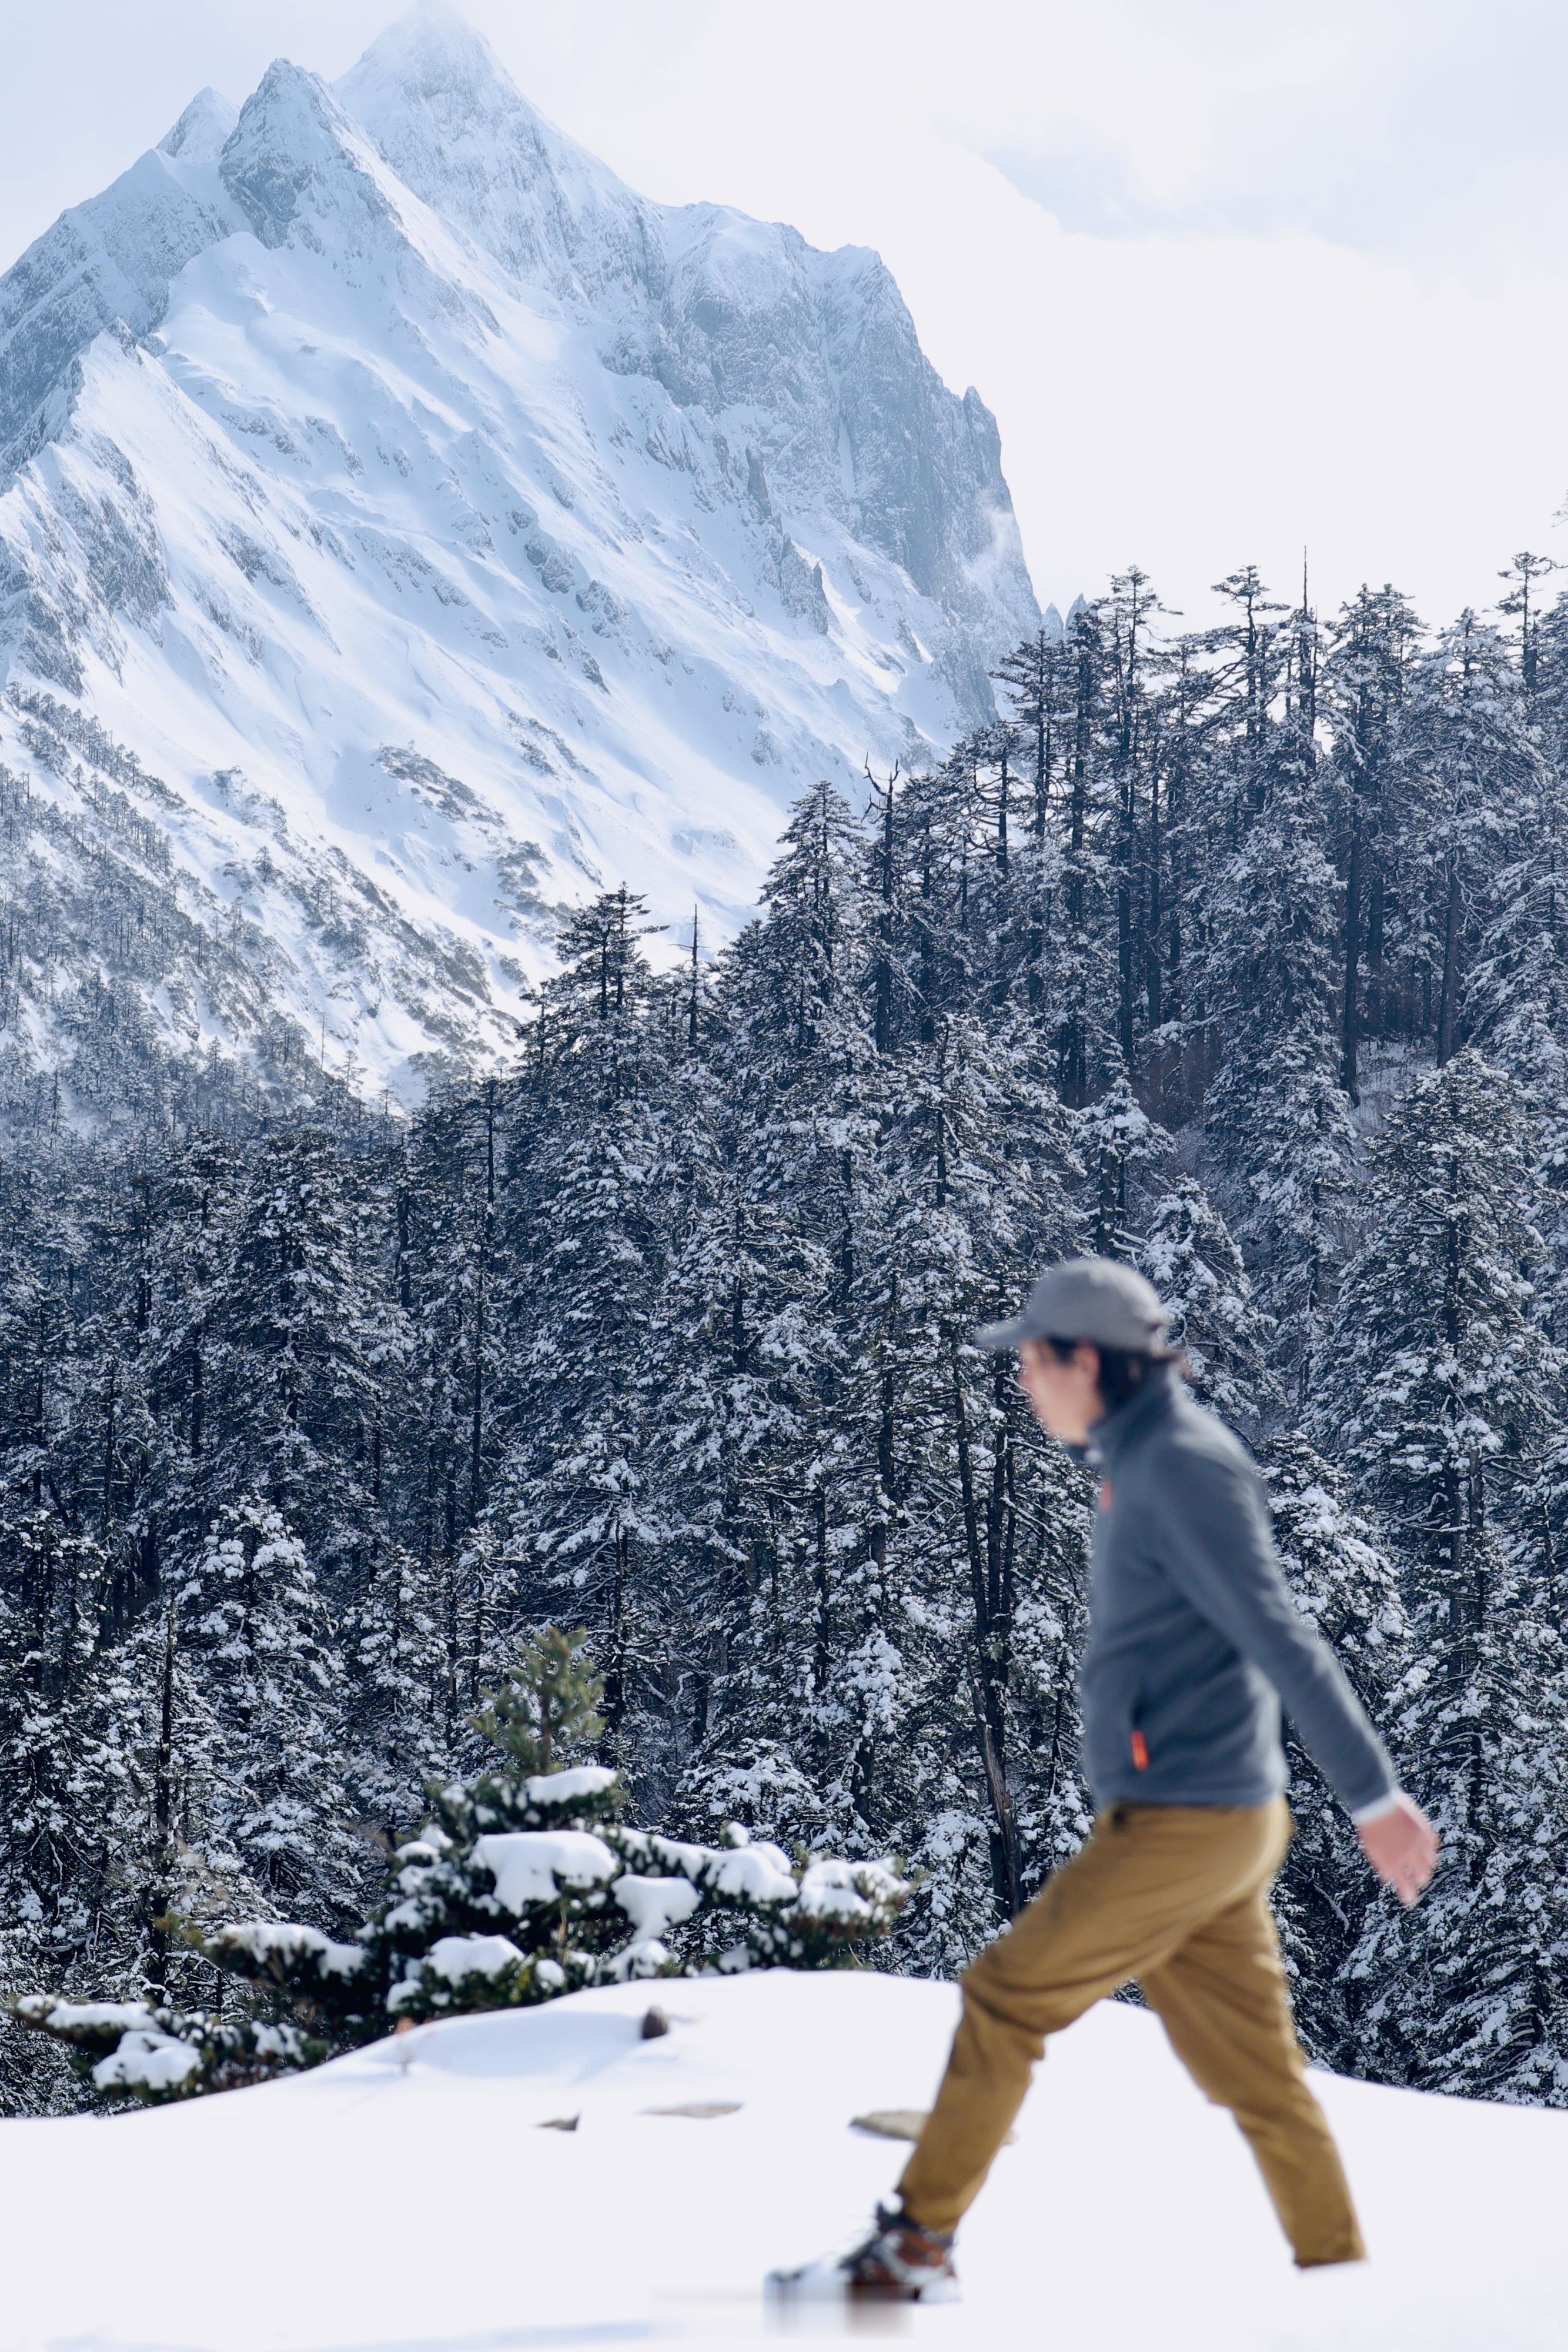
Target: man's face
[{"x": 1063, "y": 1391}]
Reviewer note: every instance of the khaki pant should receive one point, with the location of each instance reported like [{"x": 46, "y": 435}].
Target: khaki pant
[{"x": 1178, "y": 1896}]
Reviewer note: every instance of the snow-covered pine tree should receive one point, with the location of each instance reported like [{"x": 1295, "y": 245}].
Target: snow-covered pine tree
[
  {"x": 1188, "y": 1254},
  {"x": 302, "y": 1343},
  {"x": 275, "y": 1343},
  {"x": 974, "y": 1538},
  {"x": 268, "y": 1799},
  {"x": 579, "y": 1510},
  {"x": 1277, "y": 1122},
  {"x": 73, "y": 1778},
  {"x": 1037, "y": 678},
  {"x": 401, "y": 1703},
  {"x": 192, "y": 1204},
  {"x": 1083, "y": 1001},
  {"x": 742, "y": 1281},
  {"x": 1515, "y": 1003},
  {"x": 1481, "y": 767},
  {"x": 1123, "y": 1152},
  {"x": 1137, "y": 840},
  {"x": 942, "y": 1596},
  {"x": 803, "y": 1111},
  {"x": 1348, "y": 1585},
  {"x": 1369, "y": 695},
  {"x": 452, "y": 1289},
  {"x": 38, "y": 1368},
  {"x": 1442, "y": 1377},
  {"x": 524, "y": 1884}
]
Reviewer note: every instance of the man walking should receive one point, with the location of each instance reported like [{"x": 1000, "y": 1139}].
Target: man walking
[{"x": 1194, "y": 1641}]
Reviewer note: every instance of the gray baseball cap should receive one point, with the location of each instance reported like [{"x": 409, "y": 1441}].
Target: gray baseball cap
[{"x": 1091, "y": 1299}]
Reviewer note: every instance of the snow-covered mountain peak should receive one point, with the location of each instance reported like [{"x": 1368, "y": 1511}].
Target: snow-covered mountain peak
[
  {"x": 200, "y": 135},
  {"x": 293, "y": 156},
  {"x": 432, "y": 52},
  {"x": 454, "y": 127},
  {"x": 432, "y": 62},
  {"x": 417, "y": 529}
]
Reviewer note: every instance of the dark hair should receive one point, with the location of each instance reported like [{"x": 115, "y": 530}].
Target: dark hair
[{"x": 1122, "y": 1370}]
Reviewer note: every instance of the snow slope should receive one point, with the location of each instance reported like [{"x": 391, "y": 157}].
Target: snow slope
[
  {"x": 405, "y": 528},
  {"x": 411, "y": 2196}
]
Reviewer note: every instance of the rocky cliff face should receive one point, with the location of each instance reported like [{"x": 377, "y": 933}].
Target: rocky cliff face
[{"x": 404, "y": 527}]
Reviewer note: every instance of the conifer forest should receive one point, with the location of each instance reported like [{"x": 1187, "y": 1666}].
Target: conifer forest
[{"x": 1240, "y": 954}]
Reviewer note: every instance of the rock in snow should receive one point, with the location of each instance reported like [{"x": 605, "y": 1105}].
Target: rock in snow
[
  {"x": 405, "y": 528},
  {"x": 1126, "y": 2216}
]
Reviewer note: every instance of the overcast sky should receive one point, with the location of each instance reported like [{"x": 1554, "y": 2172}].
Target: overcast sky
[{"x": 1235, "y": 277}]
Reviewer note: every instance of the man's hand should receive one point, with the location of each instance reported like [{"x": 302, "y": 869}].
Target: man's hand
[{"x": 1402, "y": 1847}]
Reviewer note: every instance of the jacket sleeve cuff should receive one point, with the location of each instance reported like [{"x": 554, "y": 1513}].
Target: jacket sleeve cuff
[{"x": 1363, "y": 1814}]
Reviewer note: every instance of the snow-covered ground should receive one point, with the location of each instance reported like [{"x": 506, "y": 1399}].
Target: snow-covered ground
[{"x": 413, "y": 2196}]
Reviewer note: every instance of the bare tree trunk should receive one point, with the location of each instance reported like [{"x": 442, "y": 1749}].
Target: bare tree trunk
[
  {"x": 1351, "y": 1017},
  {"x": 160, "y": 1891},
  {"x": 1448, "y": 1001},
  {"x": 986, "y": 1670}
]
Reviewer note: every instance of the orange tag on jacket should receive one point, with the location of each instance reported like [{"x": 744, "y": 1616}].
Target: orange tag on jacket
[
  {"x": 1104, "y": 1494},
  {"x": 1140, "y": 1752}
]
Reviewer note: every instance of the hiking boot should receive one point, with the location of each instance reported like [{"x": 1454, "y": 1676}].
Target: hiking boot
[
  {"x": 902, "y": 2262},
  {"x": 898, "y": 2262}
]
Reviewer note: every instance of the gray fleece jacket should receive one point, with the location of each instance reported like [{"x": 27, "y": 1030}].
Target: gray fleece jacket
[{"x": 1194, "y": 1640}]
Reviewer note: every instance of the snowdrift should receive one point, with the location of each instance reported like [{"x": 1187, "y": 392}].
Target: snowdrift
[{"x": 550, "y": 2178}]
